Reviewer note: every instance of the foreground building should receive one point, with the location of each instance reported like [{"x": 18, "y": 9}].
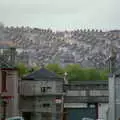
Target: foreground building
[
  {"x": 41, "y": 96},
  {"x": 9, "y": 92},
  {"x": 113, "y": 112},
  {"x": 45, "y": 96},
  {"x": 86, "y": 99},
  {"x": 8, "y": 83}
]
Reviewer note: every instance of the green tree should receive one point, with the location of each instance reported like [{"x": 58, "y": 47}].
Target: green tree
[
  {"x": 74, "y": 72},
  {"x": 55, "y": 68},
  {"x": 35, "y": 68},
  {"x": 104, "y": 75},
  {"x": 22, "y": 69},
  {"x": 94, "y": 74}
]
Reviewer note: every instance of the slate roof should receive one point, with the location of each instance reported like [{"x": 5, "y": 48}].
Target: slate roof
[{"x": 43, "y": 73}]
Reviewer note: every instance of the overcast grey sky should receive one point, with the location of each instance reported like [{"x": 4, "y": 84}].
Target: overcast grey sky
[{"x": 61, "y": 14}]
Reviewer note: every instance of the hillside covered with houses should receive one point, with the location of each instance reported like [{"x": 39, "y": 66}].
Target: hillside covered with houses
[{"x": 89, "y": 48}]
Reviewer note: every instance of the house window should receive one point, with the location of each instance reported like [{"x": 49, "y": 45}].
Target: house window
[
  {"x": 46, "y": 105},
  {"x": 45, "y": 89},
  {"x": 49, "y": 89},
  {"x": 4, "y": 89}
]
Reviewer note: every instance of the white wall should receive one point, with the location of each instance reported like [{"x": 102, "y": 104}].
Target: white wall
[{"x": 102, "y": 109}]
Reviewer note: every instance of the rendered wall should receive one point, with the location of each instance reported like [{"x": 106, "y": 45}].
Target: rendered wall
[{"x": 11, "y": 90}]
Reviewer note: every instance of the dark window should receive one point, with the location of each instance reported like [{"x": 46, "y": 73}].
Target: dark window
[
  {"x": 43, "y": 89},
  {"x": 46, "y": 105}
]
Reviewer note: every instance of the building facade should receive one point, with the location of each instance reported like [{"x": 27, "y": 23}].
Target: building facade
[
  {"x": 9, "y": 92},
  {"x": 8, "y": 82},
  {"x": 86, "y": 99},
  {"x": 45, "y": 97},
  {"x": 114, "y": 96},
  {"x": 41, "y": 96}
]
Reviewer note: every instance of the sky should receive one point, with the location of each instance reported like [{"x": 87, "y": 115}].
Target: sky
[{"x": 61, "y": 14}]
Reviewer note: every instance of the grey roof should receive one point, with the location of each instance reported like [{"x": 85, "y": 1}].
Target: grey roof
[{"x": 42, "y": 73}]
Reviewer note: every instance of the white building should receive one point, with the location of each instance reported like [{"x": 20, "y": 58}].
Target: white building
[{"x": 114, "y": 97}]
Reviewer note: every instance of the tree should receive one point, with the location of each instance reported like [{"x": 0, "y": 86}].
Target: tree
[
  {"x": 74, "y": 72},
  {"x": 104, "y": 75},
  {"x": 55, "y": 68},
  {"x": 22, "y": 69},
  {"x": 94, "y": 74},
  {"x": 34, "y": 68}
]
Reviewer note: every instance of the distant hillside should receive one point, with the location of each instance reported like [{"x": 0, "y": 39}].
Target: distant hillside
[{"x": 90, "y": 48}]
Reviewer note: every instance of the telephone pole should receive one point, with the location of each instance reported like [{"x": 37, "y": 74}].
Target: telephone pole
[{"x": 112, "y": 82}]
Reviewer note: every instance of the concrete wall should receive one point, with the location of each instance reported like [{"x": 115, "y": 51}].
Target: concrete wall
[
  {"x": 111, "y": 112},
  {"x": 117, "y": 98},
  {"x": 34, "y": 87},
  {"x": 37, "y": 106},
  {"x": 34, "y": 99},
  {"x": 102, "y": 110},
  {"x": 31, "y": 104}
]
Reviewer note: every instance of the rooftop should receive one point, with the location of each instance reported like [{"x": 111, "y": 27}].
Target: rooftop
[{"x": 42, "y": 73}]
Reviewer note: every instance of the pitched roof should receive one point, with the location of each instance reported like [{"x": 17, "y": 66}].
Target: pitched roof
[{"x": 42, "y": 74}]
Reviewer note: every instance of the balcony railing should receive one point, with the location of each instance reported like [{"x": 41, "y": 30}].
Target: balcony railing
[{"x": 93, "y": 99}]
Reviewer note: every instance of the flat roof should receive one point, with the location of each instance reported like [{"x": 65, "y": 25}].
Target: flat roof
[{"x": 89, "y": 82}]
